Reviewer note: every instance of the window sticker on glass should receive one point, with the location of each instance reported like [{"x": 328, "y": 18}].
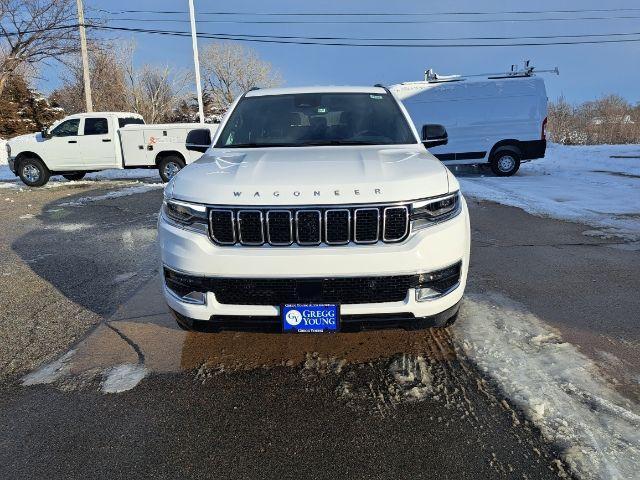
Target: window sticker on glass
[
  {"x": 376, "y": 97},
  {"x": 322, "y": 110}
]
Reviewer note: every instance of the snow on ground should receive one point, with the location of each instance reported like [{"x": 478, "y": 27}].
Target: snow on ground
[
  {"x": 557, "y": 387},
  {"x": 142, "y": 188},
  {"x": 9, "y": 180},
  {"x": 576, "y": 183},
  {"x": 3, "y": 152}
]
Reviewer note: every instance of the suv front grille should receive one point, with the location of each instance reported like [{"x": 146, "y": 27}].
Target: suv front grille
[{"x": 308, "y": 226}]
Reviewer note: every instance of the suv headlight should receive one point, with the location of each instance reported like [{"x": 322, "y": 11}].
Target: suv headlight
[
  {"x": 435, "y": 210},
  {"x": 190, "y": 216}
]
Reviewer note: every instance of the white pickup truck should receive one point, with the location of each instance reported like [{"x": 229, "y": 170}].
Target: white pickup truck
[{"x": 89, "y": 142}]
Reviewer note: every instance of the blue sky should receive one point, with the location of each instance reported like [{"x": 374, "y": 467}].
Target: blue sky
[{"x": 587, "y": 71}]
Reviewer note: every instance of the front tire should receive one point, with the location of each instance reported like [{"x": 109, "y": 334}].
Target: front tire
[
  {"x": 33, "y": 172},
  {"x": 505, "y": 163},
  {"x": 169, "y": 166},
  {"x": 72, "y": 177}
]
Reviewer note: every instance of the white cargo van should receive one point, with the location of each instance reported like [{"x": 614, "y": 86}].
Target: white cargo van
[
  {"x": 89, "y": 142},
  {"x": 500, "y": 121}
]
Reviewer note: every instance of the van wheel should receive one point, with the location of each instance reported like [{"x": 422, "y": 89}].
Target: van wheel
[
  {"x": 33, "y": 172},
  {"x": 169, "y": 166},
  {"x": 74, "y": 176},
  {"x": 505, "y": 163}
]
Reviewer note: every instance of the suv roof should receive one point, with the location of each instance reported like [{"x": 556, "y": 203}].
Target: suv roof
[{"x": 319, "y": 89}]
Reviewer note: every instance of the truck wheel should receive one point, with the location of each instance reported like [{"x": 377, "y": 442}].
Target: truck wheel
[
  {"x": 74, "y": 176},
  {"x": 33, "y": 172},
  {"x": 505, "y": 163},
  {"x": 169, "y": 166}
]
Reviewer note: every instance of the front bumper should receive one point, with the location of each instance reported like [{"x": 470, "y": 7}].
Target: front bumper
[
  {"x": 427, "y": 250},
  {"x": 12, "y": 164}
]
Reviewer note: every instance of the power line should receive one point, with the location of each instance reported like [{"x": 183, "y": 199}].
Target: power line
[
  {"x": 422, "y": 39},
  {"x": 372, "y": 14},
  {"x": 249, "y": 37},
  {"x": 245, "y": 38},
  {"x": 378, "y": 22}
]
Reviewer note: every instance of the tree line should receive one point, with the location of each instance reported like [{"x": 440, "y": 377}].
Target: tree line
[{"x": 607, "y": 120}]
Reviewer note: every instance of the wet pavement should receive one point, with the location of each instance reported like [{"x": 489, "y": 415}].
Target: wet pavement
[{"x": 130, "y": 394}]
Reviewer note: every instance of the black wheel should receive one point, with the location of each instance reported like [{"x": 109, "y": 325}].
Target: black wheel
[
  {"x": 74, "y": 176},
  {"x": 505, "y": 163},
  {"x": 33, "y": 172},
  {"x": 169, "y": 166}
]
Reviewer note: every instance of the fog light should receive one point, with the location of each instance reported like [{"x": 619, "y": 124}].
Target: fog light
[
  {"x": 198, "y": 298},
  {"x": 424, "y": 294},
  {"x": 436, "y": 284}
]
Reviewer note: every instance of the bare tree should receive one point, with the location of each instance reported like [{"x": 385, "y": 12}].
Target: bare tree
[
  {"x": 231, "y": 69},
  {"x": 156, "y": 92},
  {"x": 610, "y": 119},
  {"x": 33, "y": 31},
  {"x": 108, "y": 70},
  {"x": 118, "y": 85}
]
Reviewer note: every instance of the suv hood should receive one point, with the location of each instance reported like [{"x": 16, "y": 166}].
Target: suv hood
[{"x": 311, "y": 176}]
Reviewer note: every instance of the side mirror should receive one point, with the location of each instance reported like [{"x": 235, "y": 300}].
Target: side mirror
[
  {"x": 198, "y": 140},
  {"x": 434, "y": 135},
  {"x": 45, "y": 133}
]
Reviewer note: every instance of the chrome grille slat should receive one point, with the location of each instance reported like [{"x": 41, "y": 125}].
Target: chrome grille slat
[
  {"x": 248, "y": 227},
  {"x": 334, "y": 232},
  {"x": 393, "y": 229},
  {"x": 364, "y": 221},
  {"x": 286, "y": 226},
  {"x": 274, "y": 230},
  {"x": 307, "y": 226},
  {"x": 219, "y": 233}
]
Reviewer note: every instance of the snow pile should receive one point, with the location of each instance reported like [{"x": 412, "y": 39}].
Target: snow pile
[
  {"x": 50, "y": 372},
  {"x": 576, "y": 183},
  {"x": 123, "y": 378},
  {"x": 556, "y": 386}
]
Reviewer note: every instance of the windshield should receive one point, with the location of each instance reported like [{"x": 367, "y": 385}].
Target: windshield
[{"x": 299, "y": 120}]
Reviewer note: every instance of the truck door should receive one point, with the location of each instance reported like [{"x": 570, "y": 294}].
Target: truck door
[
  {"x": 96, "y": 144},
  {"x": 62, "y": 149}
]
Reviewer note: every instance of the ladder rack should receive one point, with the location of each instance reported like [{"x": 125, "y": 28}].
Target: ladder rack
[{"x": 528, "y": 71}]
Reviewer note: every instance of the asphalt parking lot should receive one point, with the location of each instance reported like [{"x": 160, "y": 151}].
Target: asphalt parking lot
[{"x": 97, "y": 381}]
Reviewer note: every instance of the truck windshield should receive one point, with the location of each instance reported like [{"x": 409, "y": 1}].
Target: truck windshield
[{"x": 299, "y": 120}]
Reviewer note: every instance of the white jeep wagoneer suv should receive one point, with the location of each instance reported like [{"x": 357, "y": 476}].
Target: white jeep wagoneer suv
[{"x": 316, "y": 209}]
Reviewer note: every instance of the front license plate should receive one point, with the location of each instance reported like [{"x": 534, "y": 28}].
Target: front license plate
[{"x": 309, "y": 318}]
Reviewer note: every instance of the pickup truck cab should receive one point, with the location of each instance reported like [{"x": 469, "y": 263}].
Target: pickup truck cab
[
  {"x": 89, "y": 142},
  {"x": 316, "y": 209}
]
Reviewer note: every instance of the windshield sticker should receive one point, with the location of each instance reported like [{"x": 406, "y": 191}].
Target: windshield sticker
[{"x": 376, "y": 97}]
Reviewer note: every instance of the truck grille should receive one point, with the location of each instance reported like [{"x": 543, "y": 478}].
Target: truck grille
[{"x": 308, "y": 226}]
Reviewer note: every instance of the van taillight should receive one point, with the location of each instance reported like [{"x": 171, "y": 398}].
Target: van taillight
[{"x": 543, "y": 135}]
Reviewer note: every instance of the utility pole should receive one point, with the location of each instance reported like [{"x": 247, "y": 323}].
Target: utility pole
[
  {"x": 85, "y": 57},
  {"x": 196, "y": 60}
]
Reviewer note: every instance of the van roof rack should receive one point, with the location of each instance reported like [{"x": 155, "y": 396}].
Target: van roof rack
[{"x": 528, "y": 71}]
